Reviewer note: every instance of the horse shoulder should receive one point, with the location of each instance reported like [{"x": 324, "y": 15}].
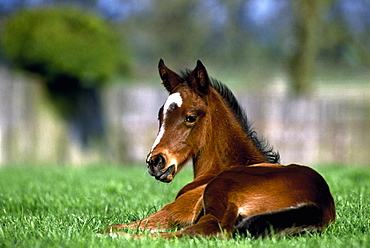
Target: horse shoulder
[{"x": 195, "y": 184}]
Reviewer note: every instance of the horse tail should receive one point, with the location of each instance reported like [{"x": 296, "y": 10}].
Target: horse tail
[{"x": 303, "y": 218}]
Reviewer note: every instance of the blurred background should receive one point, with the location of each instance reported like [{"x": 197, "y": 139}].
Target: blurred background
[{"x": 79, "y": 81}]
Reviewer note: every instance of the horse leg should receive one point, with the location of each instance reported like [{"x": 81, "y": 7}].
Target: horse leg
[
  {"x": 220, "y": 214},
  {"x": 219, "y": 218},
  {"x": 212, "y": 226},
  {"x": 155, "y": 222},
  {"x": 180, "y": 213},
  {"x": 207, "y": 226}
]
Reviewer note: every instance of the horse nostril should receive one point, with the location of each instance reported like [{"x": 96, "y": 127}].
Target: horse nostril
[{"x": 158, "y": 162}]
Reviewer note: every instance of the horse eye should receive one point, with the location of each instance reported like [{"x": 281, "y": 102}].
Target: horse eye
[{"x": 190, "y": 118}]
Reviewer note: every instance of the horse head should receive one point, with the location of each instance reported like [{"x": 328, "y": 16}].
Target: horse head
[{"x": 182, "y": 119}]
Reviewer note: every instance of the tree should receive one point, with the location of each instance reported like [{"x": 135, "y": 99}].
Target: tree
[
  {"x": 308, "y": 32},
  {"x": 75, "y": 52}
]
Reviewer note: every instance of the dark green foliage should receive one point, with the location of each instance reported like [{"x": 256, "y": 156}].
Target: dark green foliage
[{"x": 55, "y": 42}]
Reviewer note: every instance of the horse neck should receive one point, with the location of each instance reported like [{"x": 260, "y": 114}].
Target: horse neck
[{"x": 226, "y": 143}]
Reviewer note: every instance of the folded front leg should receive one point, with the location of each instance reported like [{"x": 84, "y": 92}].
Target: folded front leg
[{"x": 183, "y": 212}]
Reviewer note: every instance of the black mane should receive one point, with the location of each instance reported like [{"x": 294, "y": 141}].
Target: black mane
[{"x": 262, "y": 145}]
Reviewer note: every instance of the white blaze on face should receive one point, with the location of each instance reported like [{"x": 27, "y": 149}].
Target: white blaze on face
[{"x": 174, "y": 98}]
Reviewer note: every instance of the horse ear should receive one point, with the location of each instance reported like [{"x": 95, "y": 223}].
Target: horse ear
[
  {"x": 169, "y": 78},
  {"x": 199, "y": 80}
]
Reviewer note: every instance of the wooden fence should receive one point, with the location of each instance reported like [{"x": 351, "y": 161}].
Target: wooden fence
[{"x": 326, "y": 128}]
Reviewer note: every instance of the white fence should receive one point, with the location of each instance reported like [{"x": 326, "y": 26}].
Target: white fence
[{"x": 326, "y": 128}]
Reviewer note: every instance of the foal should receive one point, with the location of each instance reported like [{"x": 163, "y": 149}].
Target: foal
[{"x": 238, "y": 184}]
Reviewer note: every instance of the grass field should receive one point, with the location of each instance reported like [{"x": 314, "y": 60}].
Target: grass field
[{"x": 66, "y": 207}]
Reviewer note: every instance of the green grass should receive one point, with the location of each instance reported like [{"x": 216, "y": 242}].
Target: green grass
[{"x": 66, "y": 207}]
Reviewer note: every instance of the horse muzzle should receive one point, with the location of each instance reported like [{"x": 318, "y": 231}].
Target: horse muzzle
[{"x": 157, "y": 168}]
